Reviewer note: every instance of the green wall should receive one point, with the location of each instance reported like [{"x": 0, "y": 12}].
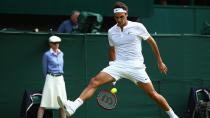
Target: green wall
[
  {"x": 64, "y": 7},
  {"x": 177, "y": 19},
  {"x": 187, "y": 58},
  {"x": 158, "y": 19}
]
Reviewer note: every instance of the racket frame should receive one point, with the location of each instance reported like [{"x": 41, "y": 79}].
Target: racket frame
[{"x": 112, "y": 94}]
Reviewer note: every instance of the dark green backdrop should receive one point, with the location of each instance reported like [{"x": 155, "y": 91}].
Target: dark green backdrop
[
  {"x": 177, "y": 19},
  {"x": 187, "y": 58},
  {"x": 64, "y": 7}
]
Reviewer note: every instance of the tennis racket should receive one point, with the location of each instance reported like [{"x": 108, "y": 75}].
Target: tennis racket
[{"x": 106, "y": 99}]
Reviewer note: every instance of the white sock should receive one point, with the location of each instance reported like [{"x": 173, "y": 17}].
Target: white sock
[
  {"x": 171, "y": 113},
  {"x": 78, "y": 102}
]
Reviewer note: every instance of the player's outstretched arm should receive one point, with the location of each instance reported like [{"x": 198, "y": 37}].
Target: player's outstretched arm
[{"x": 155, "y": 49}]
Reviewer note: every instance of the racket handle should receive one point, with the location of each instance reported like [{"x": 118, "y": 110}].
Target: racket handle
[{"x": 113, "y": 83}]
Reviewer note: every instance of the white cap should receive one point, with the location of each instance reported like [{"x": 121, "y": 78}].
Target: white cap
[{"x": 54, "y": 39}]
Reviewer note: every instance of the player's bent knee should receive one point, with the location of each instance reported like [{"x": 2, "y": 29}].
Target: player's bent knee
[{"x": 94, "y": 83}]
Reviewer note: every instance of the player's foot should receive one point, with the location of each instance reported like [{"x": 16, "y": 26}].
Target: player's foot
[
  {"x": 175, "y": 116},
  {"x": 67, "y": 106}
]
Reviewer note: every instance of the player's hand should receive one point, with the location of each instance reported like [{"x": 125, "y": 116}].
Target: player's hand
[{"x": 162, "y": 68}]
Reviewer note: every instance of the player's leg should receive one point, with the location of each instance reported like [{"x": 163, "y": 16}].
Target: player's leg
[
  {"x": 150, "y": 91},
  {"x": 70, "y": 107},
  {"x": 40, "y": 112},
  {"x": 100, "y": 79},
  {"x": 159, "y": 99},
  {"x": 140, "y": 77}
]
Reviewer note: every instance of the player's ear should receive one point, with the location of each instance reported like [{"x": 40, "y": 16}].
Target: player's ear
[{"x": 126, "y": 14}]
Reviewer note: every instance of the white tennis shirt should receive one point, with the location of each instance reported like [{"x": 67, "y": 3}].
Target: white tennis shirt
[{"x": 127, "y": 43}]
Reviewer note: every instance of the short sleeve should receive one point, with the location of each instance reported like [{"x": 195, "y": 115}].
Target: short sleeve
[
  {"x": 110, "y": 40},
  {"x": 142, "y": 32}
]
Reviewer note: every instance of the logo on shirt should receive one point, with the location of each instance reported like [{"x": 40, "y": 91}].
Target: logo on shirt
[{"x": 130, "y": 32}]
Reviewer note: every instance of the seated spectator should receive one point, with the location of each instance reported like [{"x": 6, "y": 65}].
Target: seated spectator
[{"x": 68, "y": 26}]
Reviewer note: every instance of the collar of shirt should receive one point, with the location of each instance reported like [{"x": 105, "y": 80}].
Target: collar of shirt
[
  {"x": 130, "y": 28},
  {"x": 52, "y": 52},
  {"x": 125, "y": 27}
]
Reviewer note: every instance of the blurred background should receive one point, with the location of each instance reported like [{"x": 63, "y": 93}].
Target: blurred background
[
  {"x": 160, "y": 16},
  {"x": 181, "y": 29}
]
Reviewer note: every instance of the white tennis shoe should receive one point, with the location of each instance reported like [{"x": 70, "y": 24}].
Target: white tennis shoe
[
  {"x": 175, "y": 116},
  {"x": 67, "y": 106}
]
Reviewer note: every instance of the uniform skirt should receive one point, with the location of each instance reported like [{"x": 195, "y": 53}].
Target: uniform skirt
[{"x": 53, "y": 87}]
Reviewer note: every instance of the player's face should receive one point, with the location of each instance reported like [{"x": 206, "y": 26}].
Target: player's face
[{"x": 121, "y": 18}]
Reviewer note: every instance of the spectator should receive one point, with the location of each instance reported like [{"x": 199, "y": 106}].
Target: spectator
[
  {"x": 52, "y": 64},
  {"x": 68, "y": 26}
]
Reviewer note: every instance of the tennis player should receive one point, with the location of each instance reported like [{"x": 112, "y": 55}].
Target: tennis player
[{"x": 126, "y": 61}]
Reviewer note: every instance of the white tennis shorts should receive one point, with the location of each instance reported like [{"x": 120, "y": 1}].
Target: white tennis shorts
[
  {"x": 53, "y": 87},
  {"x": 132, "y": 71}
]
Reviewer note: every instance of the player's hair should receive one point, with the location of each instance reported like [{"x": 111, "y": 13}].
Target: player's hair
[{"x": 119, "y": 4}]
